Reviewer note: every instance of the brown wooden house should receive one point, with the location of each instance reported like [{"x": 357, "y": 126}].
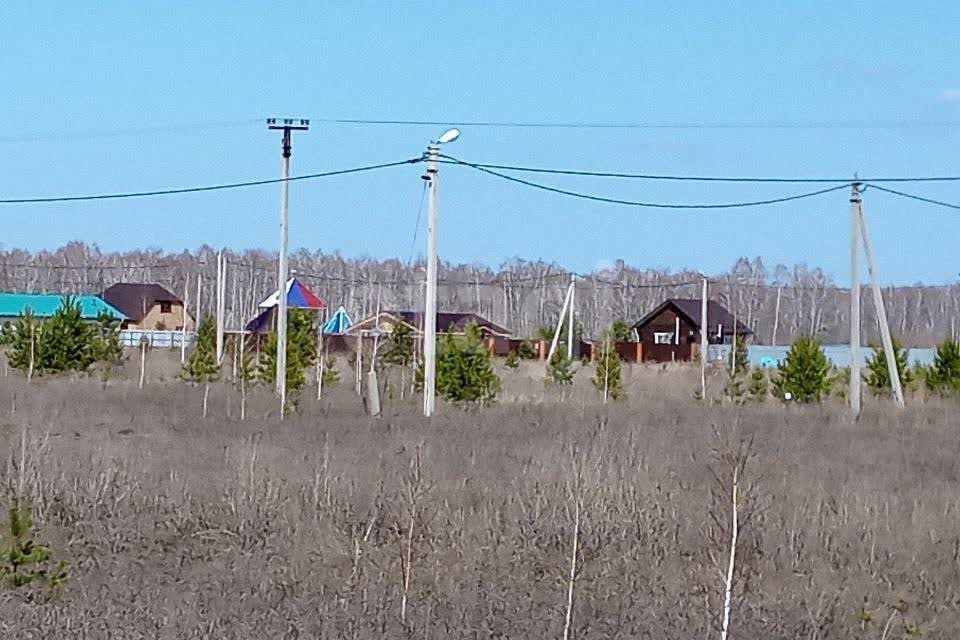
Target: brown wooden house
[
  {"x": 495, "y": 336},
  {"x": 148, "y": 306},
  {"x": 671, "y": 332}
]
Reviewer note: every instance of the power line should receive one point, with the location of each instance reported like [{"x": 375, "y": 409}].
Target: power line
[
  {"x": 651, "y": 205},
  {"x": 130, "y": 131},
  {"x": 507, "y": 124},
  {"x": 914, "y": 197},
  {"x": 688, "y": 178},
  {"x": 416, "y": 227},
  {"x": 216, "y": 187}
]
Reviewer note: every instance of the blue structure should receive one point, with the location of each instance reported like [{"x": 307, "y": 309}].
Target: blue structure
[{"x": 338, "y": 323}]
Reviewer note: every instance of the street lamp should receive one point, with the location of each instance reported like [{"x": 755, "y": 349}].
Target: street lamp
[{"x": 430, "y": 314}]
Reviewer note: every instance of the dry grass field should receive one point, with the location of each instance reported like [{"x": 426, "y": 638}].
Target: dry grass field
[{"x": 333, "y": 524}]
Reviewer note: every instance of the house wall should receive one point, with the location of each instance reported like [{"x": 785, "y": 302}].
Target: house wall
[
  {"x": 173, "y": 321},
  {"x": 666, "y": 322}
]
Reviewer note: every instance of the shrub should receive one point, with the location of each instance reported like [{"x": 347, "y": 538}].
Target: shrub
[
  {"x": 67, "y": 341},
  {"x": 944, "y": 375},
  {"x": 621, "y": 331},
  {"x": 804, "y": 373},
  {"x": 877, "y": 375},
  {"x": 202, "y": 365},
  {"x": 331, "y": 377},
  {"x": 399, "y": 347},
  {"x": 739, "y": 357},
  {"x": 513, "y": 360},
  {"x": 759, "y": 385},
  {"x": 22, "y": 340}
]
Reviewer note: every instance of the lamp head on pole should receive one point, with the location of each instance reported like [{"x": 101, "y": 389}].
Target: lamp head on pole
[{"x": 450, "y": 135}]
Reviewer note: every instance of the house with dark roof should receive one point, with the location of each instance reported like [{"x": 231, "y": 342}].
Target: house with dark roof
[
  {"x": 148, "y": 306},
  {"x": 671, "y": 332}
]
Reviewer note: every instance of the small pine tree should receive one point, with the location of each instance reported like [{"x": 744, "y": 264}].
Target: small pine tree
[
  {"x": 22, "y": 340},
  {"x": 23, "y": 561},
  {"x": 560, "y": 369},
  {"x": 608, "y": 379},
  {"x": 943, "y": 376},
  {"x": 739, "y": 358},
  {"x": 398, "y": 354},
  {"x": 526, "y": 351},
  {"x": 464, "y": 369},
  {"x": 877, "y": 375},
  {"x": 512, "y": 361},
  {"x": 759, "y": 385},
  {"x": 301, "y": 351},
  {"x": 107, "y": 349},
  {"x": 67, "y": 341},
  {"x": 621, "y": 331},
  {"x": 331, "y": 377},
  {"x": 805, "y": 372},
  {"x": 202, "y": 365}
]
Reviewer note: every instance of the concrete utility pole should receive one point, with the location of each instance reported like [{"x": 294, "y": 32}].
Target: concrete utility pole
[
  {"x": 881, "y": 311},
  {"x": 221, "y": 277},
  {"x": 573, "y": 292},
  {"x": 287, "y": 125},
  {"x": 183, "y": 321},
  {"x": 704, "y": 341},
  {"x": 855, "y": 201},
  {"x": 430, "y": 312}
]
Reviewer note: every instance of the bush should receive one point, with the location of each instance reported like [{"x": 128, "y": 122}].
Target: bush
[
  {"x": 526, "y": 351},
  {"x": 877, "y": 375},
  {"x": 742, "y": 359},
  {"x": 513, "y": 360},
  {"x": 621, "y": 331},
  {"x": 759, "y": 385},
  {"x": 202, "y": 365},
  {"x": 805, "y": 372},
  {"x": 943, "y": 376},
  {"x": 22, "y": 340},
  {"x": 67, "y": 341}
]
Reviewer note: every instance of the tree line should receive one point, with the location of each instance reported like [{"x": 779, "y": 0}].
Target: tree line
[{"x": 777, "y": 303}]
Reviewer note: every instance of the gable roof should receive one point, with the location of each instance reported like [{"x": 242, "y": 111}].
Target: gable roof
[
  {"x": 131, "y": 298},
  {"x": 690, "y": 309},
  {"x": 447, "y": 322},
  {"x": 44, "y": 305}
]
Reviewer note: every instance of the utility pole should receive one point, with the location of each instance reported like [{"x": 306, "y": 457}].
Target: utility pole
[
  {"x": 430, "y": 316},
  {"x": 183, "y": 321},
  {"x": 704, "y": 341},
  {"x": 221, "y": 277},
  {"x": 287, "y": 125},
  {"x": 430, "y": 312},
  {"x": 573, "y": 291},
  {"x": 855, "y": 202},
  {"x": 881, "y": 310}
]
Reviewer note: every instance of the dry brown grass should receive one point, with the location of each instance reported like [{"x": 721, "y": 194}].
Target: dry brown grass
[{"x": 184, "y": 528}]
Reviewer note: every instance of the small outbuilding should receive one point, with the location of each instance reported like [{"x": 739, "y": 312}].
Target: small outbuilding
[{"x": 671, "y": 332}]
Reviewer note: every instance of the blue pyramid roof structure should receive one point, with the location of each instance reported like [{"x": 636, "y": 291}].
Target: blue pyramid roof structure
[{"x": 339, "y": 322}]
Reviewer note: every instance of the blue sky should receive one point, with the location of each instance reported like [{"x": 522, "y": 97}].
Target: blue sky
[{"x": 72, "y": 73}]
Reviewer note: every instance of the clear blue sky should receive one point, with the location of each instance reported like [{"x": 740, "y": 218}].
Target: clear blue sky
[{"x": 71, "y": 71}]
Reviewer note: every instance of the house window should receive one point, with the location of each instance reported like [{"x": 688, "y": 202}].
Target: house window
[
  {"x": 663, "y": 337},
  {"x": 166, "y": 307}
]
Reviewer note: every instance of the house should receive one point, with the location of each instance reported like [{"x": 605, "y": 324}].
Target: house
[
  {"x": 447, "y": 322},
  {"x": 496, "y": 337},
  {"x": 44, "y": 305},
  {"x": 671, "y": 332},
  {"x": 148, "y": 306}
]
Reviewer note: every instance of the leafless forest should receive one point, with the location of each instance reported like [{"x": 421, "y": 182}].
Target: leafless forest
[
  {"x": 520, "y": 294},
  {"x": 332, "y": 524}
]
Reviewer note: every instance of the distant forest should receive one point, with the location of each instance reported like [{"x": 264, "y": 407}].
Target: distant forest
[{"x": 520, "y": 294}]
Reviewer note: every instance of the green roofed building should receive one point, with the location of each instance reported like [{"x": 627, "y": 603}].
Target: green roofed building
[{"x": 44, "y": 305}]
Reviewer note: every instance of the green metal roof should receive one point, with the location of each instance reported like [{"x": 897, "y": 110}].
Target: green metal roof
[{"x": 44, "y": 305}]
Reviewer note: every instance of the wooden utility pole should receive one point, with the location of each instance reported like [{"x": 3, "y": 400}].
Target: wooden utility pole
[
  {"x": 892, "y": 370},
  {"x": 855, "y": 201}
]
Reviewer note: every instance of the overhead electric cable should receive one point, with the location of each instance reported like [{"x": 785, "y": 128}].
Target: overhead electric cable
[
  {"x": 650, "y": 205},
  {"x": 507, "y": 124},
  {"x": 216, "y": 187},
  {"x": 911, "y": 196},
  {"x": 688, "y": 178}
]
